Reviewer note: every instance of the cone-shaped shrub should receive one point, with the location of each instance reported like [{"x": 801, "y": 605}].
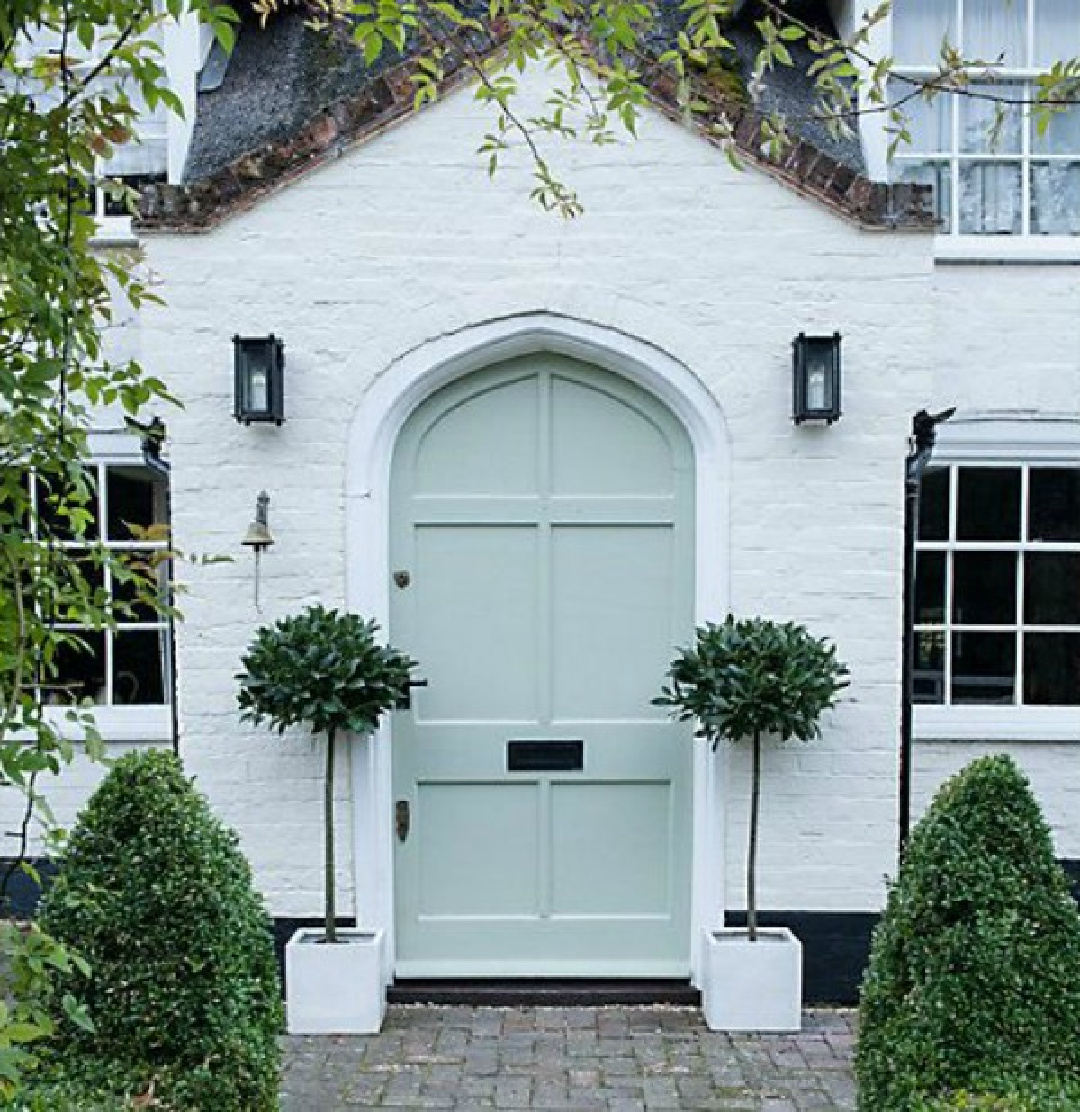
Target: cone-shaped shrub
[
  {"x": 155, "y": 893},
  {"x": 974, "y": 975}
]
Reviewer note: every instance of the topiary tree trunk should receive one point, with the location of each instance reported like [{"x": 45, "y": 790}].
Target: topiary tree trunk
[
  {"x": 328, "y": 833},
  {"x": 751, "y": 855}
]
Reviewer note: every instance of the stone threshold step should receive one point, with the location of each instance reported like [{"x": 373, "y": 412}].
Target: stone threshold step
[{"x": 550, "y": 993}]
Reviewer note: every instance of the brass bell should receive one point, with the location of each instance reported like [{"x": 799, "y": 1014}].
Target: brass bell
[{"x": 258, "y": 534}]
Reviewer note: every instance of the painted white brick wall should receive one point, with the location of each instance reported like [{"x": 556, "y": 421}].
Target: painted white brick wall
[
  {"x": 1006, "y": 342},
  {"x": 404, "y": 240}
]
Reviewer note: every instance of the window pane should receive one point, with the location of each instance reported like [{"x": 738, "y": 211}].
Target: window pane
[
  {"x": 983, "y": 667},
  {"x": 930, "y": 587},
  {"x": 934, "y": 505},
  {"x": 988, "y": 504},
  {"x": 938, "y": 176},
  {"x": 133, "y": 499},
  {"x": 988, "y": 125},
  {"x": 135, "y": 597},
  {"x": 1052, "y": 669},
  {"x": 1055, "y": 198},
  {"x": 929, "y": 678},
  {"x": 81, "y": 579},
  {"x": 990, "y": 198},
  {"x": 1054, "y": 510},
  {"x": 984, "y": 588},
  {"x": 67, "y": 510},
  {"x": 1061, "y": 134},
  {"x": 1052, "y": 588},
  {"x": 929, "y": 122},
  {"x": 80, "y": 669},
  {"x": 919, "y": 26},
  {"x": 14, "y": 498},
  {"x": 1057, "y": 31},
  {"x": 139, "y": 666},
  {"x": 994, "y": 31}
]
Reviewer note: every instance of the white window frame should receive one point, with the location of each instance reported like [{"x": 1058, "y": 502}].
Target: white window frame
[
  {"x": 110, "y": 230},
  {"x": 149, "y": 723},
  {"x": 1006, "y": 442},
  {"x": 1023, "y": 246}
]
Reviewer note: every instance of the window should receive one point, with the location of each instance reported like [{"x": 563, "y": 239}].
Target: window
[
  {"x": 133, "y": 163},
  {"x": 997, "y": 597},
  {"x": 992, "y": 172},
  {"x": 127, "y": 664}
]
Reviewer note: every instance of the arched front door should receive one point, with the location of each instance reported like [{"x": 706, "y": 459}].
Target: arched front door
[{"x": 542, "y": 564}]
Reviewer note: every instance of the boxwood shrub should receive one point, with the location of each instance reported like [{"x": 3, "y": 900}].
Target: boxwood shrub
[
  {"x": 184, "y": 994},
  {"x": 973, "y": 984}
]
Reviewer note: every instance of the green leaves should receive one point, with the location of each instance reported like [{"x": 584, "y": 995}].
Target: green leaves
[
  {"x": 754, "y": 676},
  {"x": 974, "y": 976},
  {"x": 322, "y": 669},
  {"x": 181, "y": 990}
]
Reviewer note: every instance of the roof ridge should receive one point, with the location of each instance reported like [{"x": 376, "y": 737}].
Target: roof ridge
[{"x": 389, "y": 98}]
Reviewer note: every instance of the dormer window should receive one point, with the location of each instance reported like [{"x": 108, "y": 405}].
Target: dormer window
[{"x": 992, "y": 172}]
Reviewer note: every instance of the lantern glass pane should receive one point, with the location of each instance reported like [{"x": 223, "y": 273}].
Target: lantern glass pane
[
  {"x": 817, "y": 387},
  {"x": 258, "y": 390}
]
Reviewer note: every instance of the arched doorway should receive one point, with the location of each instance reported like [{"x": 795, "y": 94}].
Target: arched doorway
[{"x": 542, "y": 570}]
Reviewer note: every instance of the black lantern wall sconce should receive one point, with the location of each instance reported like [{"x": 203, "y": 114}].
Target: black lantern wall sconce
[
  {"x": 816, "y": 378},
  {"x": 258, "y": 379}
]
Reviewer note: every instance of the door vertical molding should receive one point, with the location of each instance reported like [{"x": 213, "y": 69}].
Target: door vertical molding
[{"x": 392, "y": 396}]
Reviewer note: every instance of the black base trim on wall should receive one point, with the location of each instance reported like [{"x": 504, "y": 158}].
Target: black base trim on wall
[{"x": 836, "y": 945}]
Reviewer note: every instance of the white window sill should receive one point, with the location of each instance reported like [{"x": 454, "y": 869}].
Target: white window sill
[
  {"x": 997, "y": 723},
  {"x": 114, "y": 231},
  {"x": 1007, "y": 250},
  {"x": 144, "y": 724}
]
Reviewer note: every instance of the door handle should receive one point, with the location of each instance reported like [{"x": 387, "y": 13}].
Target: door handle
[
  {"x": 402, "y": 819},
  {"x": 405, "y": 700}
]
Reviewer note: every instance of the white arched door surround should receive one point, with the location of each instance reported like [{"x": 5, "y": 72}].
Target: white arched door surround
[{"x": 384, "y": 408}]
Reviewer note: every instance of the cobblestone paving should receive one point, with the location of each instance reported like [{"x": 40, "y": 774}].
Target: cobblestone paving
[{"x": 571, "y": 1058}]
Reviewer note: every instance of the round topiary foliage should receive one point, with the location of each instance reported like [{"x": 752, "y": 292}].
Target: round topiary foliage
[
  {"x": 156, "y": 895},
  {"x": 974, "y": 975}
]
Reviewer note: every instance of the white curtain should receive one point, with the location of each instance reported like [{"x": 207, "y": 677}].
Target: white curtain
[
  {"x": 988, "y": 123},
  {"x": 994, "y": 30},
  {"x": 918, "y": 29},
  {"x": 1057, "y": 31},
  {"x": 990, "y": 198},
  {"x": 1055, "y": 198}
]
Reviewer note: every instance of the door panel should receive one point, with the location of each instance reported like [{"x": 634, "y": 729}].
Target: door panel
[
  {"x": 611, "y": 592},
  {"x": 477, "y": 581},
  {"x": 543, "y": 510}
]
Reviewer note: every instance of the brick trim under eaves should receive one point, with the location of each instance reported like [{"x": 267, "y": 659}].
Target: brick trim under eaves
[{"x": 388, "y": 98}]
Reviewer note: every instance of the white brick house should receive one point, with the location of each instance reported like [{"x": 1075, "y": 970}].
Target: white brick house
[{"x": 653, "y": 334}]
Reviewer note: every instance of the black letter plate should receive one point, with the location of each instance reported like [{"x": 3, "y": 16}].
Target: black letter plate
[{"x": 545, "y": 756}]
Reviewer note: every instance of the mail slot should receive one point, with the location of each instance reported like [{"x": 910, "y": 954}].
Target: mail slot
[{"x": 523, "y": 755}]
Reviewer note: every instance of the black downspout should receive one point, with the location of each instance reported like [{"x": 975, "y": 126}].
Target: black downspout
[
  {"x": 152, "y": 440},
  {"x": 923, "y": 434}
]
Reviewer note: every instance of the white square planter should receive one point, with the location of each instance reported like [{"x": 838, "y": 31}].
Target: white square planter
[
  {"x": 752, "y": 986},
  {"x": 334, "y": 990}
]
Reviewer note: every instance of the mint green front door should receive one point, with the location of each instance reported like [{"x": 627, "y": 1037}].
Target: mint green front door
[{"x": 542, "y": 558}]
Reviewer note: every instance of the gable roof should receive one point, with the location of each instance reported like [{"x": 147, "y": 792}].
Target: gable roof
[{"x": 293, "y": 98}]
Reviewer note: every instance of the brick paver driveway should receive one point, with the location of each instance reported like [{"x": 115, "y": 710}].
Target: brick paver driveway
[{"x": 571, "y": 1058}]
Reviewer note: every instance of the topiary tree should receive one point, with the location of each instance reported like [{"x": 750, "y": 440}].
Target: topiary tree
[
  {"x": 183, "y": 990},
  {"x": 974, "y": 975},
  {"x": 746, "y": 679},
  {"x": 327, "y": 671}
]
